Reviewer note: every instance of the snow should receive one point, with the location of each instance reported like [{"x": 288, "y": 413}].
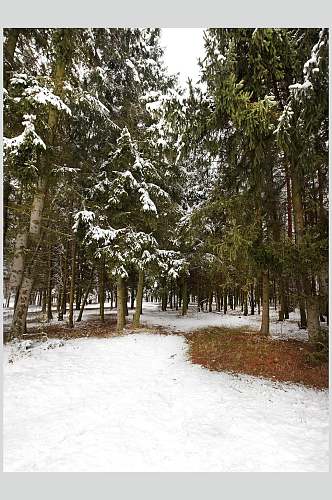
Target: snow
[
  {"x": 147, "y": 203},
  {"x": 194, "y": 320},
  {"x": 173, "y": 320},
  {"x": 131, "y": 65},
  {"x": 135, "y": 403},
  {"x": 42, "y": 95},
  {"x": 29, "y": 134}
]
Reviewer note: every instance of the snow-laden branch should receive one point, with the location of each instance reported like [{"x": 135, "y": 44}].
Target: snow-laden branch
[{"x": 29, "y": 136}]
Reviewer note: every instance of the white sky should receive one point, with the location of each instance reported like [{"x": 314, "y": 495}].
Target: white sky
[{"x": 183, "y": 46}]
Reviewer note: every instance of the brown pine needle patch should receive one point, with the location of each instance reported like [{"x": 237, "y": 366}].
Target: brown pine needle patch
[{"x": 247, "y": 352}]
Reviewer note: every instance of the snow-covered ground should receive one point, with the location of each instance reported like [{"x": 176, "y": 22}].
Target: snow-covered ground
[
  {"x": 135, "y": 403},
  {"x": 173, "y": 320}
]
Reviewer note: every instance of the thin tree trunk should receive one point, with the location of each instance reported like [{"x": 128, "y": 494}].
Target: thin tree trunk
[
  {"x": 281, "y": 312},
  {"x": 210, "y": 301},
  {"x": 125, "y": 302},
  {"x": 49, "y": 288},
  {"x": 85, "y": 298},
  {"x": 245, "y": 303},
  {"x": 72, "y": 285},
  {"x": 286, "y": 297},
  {"x": 78, "y": 297},
  {"x": 310, "y": 296},
  {"x": 225, "y": 303},
  {"x": 265, "y": 324},
  {"x": 44, "y": 301},
  {"x": 58, "y": 303},
  {"x": 184, "y": 296},
  {"x": 65, "y": 274},
  {"x": 102, "y": 289},
  {"x": 132, "y": 297},
  {"x": 252, "y": 300},
  {"x": 139, "y": 299},
  {"x": 121, "y": 317},
  {"x": 289, "y": 205}
]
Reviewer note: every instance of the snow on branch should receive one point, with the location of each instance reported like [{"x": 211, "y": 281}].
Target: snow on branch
[
  {"x": 311, "y": 67},
  {"x": 131, "y": 65},
  {"x": 42, "y": 95},
  {"x": 27, "y": 137},
  {"x": 35, "y": 93},
  {"x": 147, "y": 203}
]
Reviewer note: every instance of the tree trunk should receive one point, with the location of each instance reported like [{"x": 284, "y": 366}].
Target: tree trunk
[
  {"x": 44, "y": 301},
  {"x": 323, "y": 294},
  {"x": 286, "y": 298},
  {"x": 225, "y": 303},
  {"x": 18, "y": 326},
  {"x": 121, "y": 317},
  {"x": 40, "y": 195},
  {"x": 102, "y": 289},
  {"x": 314, "y": 330},
  {"x": 265, "y": 325},
  {"x": 125, "y": 303},
  {"x": 139, "y": 299},
  {"x": 85, "y": 298},
  {"x": 210, "y": 301},
  {"x": 184, "y": 296},
  {"x": 245, "y": 303},
  {"x": 72, "y": 285},
  {"x": 64, "y": 278},
  {"x": 252, "y": 300},
  {"x": 281, "y": 312},
  {"x": 289, "y": 205},
  {"x": 17, "y": 266},
  {"x": 8, "y": 54},
  {"x": 49, "y": 287},
  {"x": 309, "y": 295},
  {"x": 132, "y": 297},
  {"x": 32, "y": 250},
  {"x": 58, "y": 304},
  {"x": 25, "y": 242},
  {"x": 9, "y": 48}
]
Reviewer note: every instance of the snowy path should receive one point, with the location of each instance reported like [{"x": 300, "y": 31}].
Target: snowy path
[{"x": 134, "y": 403}]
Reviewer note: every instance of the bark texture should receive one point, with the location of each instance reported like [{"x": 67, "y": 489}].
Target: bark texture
[{"x": 139, "y": 299}]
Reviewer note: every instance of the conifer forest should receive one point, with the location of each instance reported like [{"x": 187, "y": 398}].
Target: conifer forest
[{"x": 159, "y": 220}]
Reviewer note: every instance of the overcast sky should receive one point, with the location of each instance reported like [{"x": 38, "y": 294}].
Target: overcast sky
[{"x": 183, "y": 46}]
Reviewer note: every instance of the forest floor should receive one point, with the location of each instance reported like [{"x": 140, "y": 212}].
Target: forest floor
[
  {"x": 217, "y": 341},
  {"x": 140, "y": 401}
]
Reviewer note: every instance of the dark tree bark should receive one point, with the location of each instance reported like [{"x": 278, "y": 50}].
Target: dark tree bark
[
  {"x": 121, "y": 316},
  {"x": 225, "y": 303},
  {"x": 49, "y": 288},
  {"x": 102, "y": 289},
  {"x": 85, "y": 298},
  {"x": 252, "y": 300},
  {"x": 184, "y": 296},
  {"x": 139, "y": 299},
  {"x": 265, "y": 325},
  {"x": 72, "y": 284}
]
